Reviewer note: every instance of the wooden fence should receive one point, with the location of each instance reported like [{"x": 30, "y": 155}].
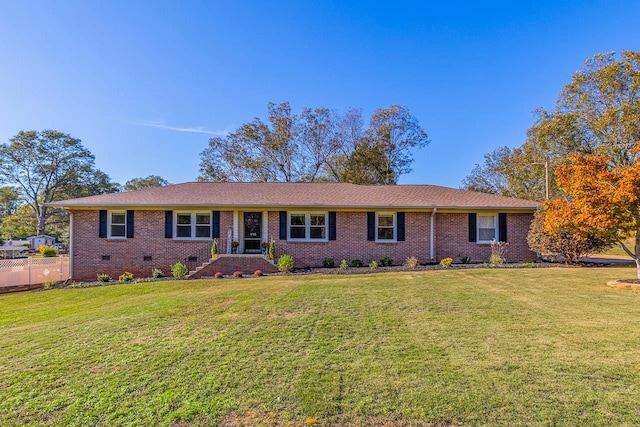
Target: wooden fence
[{"x": 31, "y": 271}]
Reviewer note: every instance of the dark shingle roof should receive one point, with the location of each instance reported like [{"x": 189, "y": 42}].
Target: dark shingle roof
[{"x": 300, "y": 195}]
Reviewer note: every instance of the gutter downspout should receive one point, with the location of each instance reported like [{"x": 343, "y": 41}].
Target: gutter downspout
[
  {"x": 70, "y": 247},
  {"x": 432, "y": 250}
]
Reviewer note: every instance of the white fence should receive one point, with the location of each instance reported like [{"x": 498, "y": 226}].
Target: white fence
[{"x": 31, "y": 271}]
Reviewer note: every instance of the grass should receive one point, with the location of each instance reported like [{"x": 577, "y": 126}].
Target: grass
[
  {"x": 452, "y": 347},
  {"x": 616, "y": 250}
]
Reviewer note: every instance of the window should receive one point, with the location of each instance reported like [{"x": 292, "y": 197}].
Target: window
[
  {"x": 298, "y": 228},
  {"x": 318, "y": 226},
  {"x": 117, "y": 225},
  {"x": 308, "y": 226},
  {"x": 487, "y": 226},
  {"x": 193, "y": 225},
  {"x": 385, "y": 227}
]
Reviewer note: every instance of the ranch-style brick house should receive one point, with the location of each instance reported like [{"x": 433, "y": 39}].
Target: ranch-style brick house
[{"x": 141, "y": 230}]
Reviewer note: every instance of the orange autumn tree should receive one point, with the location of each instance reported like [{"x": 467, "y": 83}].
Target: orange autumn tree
[{"x": 604, "y": 201}]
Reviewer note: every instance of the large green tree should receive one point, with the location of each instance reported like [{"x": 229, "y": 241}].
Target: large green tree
[
  {"x": 151, "y": 181},
  {"x": 45, "y": 166},
  {"x": 9, "y": 199},
  {"x": 394, "y": 133},
  {"x": 598, "y": 112},
  {"x": 518, "y": 172},
  {"x": 317, "y": 145}
]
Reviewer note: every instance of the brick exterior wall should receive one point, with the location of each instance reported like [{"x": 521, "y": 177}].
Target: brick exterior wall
[
  {"x": 93, "y": 255},
  {"x": 351, "y": 241},
  {"x": 91, "y": 252},
  {"x": 452, "y": 238}
]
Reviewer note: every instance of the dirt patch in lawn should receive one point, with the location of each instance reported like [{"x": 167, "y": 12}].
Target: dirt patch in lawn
[{"x": 625, "y": 283}]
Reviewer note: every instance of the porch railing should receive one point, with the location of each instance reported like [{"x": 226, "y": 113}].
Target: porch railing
[{"x": 196, "y": 256}]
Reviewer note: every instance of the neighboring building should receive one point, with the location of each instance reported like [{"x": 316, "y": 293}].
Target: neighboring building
[
  {"x": 141, "y": 230},
  {"x": 41, "y": 240},
  {"x": 13, "y": 248}
]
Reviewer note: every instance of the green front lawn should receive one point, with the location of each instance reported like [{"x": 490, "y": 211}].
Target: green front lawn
[{"x": 462, "y": 347}]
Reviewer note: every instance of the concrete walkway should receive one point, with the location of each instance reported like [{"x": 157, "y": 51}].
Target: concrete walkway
[{"x": 611, "y": 260}]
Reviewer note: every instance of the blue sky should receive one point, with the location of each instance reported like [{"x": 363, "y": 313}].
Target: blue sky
[{"x": 144, "y": 85}]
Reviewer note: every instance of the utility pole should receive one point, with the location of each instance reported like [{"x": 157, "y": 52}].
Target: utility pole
[{"x": 546, "y": 178}]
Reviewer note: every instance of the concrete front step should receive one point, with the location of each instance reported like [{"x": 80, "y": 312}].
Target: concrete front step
[{"x": 228, "y": 264}]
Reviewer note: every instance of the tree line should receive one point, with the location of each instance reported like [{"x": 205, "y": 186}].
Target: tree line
[
  {"x": 39, "y": 167},
  {"x": 318, "y": 144},
  {"x": 590, "y": 143}
]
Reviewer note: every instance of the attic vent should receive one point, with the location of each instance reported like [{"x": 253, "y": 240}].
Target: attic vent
[{"x": 106, "y": 257}]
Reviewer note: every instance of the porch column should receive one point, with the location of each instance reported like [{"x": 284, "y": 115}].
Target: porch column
[
  {"x": 265, "y": 226},
  {"x": 236, "y": 227}
]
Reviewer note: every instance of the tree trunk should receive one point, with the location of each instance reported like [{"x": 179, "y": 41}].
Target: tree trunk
[
  {"x": 42, "y": 219},
  {"x": 636, "y": 255}
]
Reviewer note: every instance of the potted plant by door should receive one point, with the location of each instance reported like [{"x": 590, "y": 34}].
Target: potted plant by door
[
  {"x": 214, "y": 249},
  {"x": 234, "y": 247}
]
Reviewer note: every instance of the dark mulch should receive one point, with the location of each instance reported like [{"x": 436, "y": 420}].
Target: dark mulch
[
  {"x": 352, "y": 270},
  {"x": 630, "y": 281}
]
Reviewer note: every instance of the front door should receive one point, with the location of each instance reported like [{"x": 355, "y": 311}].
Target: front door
[{"x": 252, "y": 232}]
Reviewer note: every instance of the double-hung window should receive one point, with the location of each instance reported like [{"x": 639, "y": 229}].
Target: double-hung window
[
  {"x": 308, "y": 226},
  {"x": 487, "y": 227},
  {"x": 385, "y": 227},
  {"x": 117, "y": 224},
  {"x": 193, "y": 225}
]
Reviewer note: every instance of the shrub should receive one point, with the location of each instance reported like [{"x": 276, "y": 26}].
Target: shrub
[
  {"x": 102, "y": 277},
  {"x": 156, "y": 272},
  {"x": 343, "y": 264},
  {"x": 498, "y": 252},
  {"x": 179, "y": 270},
  {"x": 446, "y": 262},
  {"x": 272, "y": 249},
  {"x": 258, "y": 273},
  {"x": 126, "y": 277},
  {"x": 573, "y": 248},
  {"x": 328, "y": 263},
  {"x": 47, "y": 251},
  {"x": 386, "y": 261},
  {"x": 285, "y": 263},
  {"x": 218, "y": 275},
  {"x": 237, "y": 274},
  {"x": 373, "y": 265},
  {"x": 357, "y": 263},
  {"x": 465, "y": 259},
  {"x": 411, "y": 262}
]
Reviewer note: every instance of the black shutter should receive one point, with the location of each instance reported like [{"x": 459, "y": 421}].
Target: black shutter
[
  {"x": 129, "y": 224},
  {"x": 371, "y": 226},
  {"x": 216, "y": 224},
  {"x": 332, "y": 226},
  {"x": 102, "y": 232},
  {"x": 473, "y": 236},
  {"x": 400, "y": 224},
  {"x": 168, "y": 224},
  {"x": 502, "y": 227},
  {"x": 283, "y": 225}
]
